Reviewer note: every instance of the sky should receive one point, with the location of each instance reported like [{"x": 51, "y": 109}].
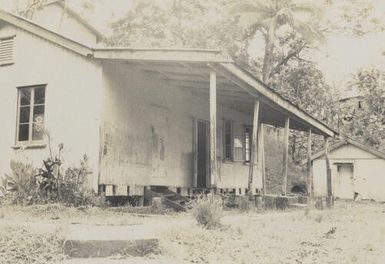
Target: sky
[{"x": 339, "y": 58}]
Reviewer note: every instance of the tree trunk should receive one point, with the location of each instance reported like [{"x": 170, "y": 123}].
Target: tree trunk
[{"x": 267, "y": 59}]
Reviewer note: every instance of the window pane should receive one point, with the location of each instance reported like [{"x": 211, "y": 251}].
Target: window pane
[
  {"x": 38, "y": 113},
  {"x": 37, "y": 132},
  {"x": 39, "y": 95},
  {"x": 25, "y": 96},
  {"x": 24, "y": 114},
  {"x": 23, "y": 132}
]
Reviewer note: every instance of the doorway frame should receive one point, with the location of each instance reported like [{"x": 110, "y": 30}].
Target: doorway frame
[{"x": 195, "y": 152}]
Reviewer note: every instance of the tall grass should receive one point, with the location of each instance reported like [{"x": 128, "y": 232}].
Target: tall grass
[{"x": 208, "y": 211}]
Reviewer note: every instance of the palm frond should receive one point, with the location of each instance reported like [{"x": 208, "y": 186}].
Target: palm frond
[
  {"x": 312, "y": 9},
  {"x": 308, "y": 32}
]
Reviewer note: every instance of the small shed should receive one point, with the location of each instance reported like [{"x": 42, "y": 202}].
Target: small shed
[{"x": 358, "y": 171}]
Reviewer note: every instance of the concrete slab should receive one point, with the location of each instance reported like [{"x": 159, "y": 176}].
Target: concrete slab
[
  {"x": 116, "y": 261},
  {"x": 104, "y": 241}
]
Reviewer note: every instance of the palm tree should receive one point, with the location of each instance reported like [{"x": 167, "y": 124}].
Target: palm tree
[{"x": 267, "y": 16}]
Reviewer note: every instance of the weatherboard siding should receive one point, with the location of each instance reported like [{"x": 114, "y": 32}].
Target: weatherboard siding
[{"x": 147, "y": 132}]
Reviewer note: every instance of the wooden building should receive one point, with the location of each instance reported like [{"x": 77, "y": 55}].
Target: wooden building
[
  {"x": 358, "y": 171},
  {"x": 176, "y": 118}
]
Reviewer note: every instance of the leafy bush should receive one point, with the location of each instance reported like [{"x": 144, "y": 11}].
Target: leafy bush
[
  {"x": 49, "y": 184},
  {"x": 208, "y": 211},
  {"x": 69, "y": 187},
  {"x": 21, "y": 186}
]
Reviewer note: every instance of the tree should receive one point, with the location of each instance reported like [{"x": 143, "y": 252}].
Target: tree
[
  {"x": 187, "y": 24},
  {"x": 356, "y": 17},
  {"x": 367, "y": 123},
  {"x": 270, "y": 16}
]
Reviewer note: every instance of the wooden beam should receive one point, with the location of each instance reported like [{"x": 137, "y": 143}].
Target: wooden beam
[
  {"x": 158, "y": 54},
  {"x": 329, "y": 199},
  {"x": 213, "y": 129},
  {"x": 254, "y": 147},
  {"x": 285, "y": 155},
  {"x": 257, "y": 88},
  {"x": 309, "y": 172},
  {"x": 261, "y": 155}
]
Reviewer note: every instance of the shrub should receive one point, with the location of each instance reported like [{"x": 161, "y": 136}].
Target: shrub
[
  {"x": 208, "y": 211},
  {"x": 21, "y": 186},
  {"x": 27, "y": 185}
]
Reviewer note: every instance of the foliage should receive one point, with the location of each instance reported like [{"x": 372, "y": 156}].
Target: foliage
[
  {"x": 189, "y": 24},
  {"x": 367, "y": 124},
  {"x": 356, "y": 17},
  {"x": 303, "y": 84},
  {"x": 21, "y": 185},
  {"x": 27, "y": 185},
  {"x": 208, "y": 211},
  {"x": 21, "y": 245},
  {"x": 272, "y": 16},
  {"x": 69, "y": 187}
]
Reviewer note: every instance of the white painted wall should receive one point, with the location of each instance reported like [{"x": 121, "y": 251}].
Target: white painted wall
[
  {"x": 368, "y": 172},
  {"x": 50, "y": 17},
  {"x": 136, "y": 104},
  {"x": 73, "y": 99}
]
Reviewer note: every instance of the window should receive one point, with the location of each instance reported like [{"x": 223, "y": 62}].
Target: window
[
  {"x": 6, "y": 50},
  {"x": 30, "y": 121},
  {"x": 228, "y": 140},
  {"x": 247, "y": 142}
]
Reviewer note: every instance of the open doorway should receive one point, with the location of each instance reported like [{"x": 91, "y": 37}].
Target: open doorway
[{"x": 202, "y": 154}]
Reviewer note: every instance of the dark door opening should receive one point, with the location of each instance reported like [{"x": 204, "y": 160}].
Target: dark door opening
[{"x": 202, "y": 154}]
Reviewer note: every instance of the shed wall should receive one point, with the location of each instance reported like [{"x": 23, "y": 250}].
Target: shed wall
[{"x": 368, "y": 172}]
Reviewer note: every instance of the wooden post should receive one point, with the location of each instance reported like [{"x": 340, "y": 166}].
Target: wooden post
[
  {"x": 261, "y": 156},
  {"x": 253, "y": 154},
  {"x": 329, "y": 199},
  {"x": 213, "y": 129},
  {"x": 285, "y": 154},
  {"x": 309, "y": 172}
]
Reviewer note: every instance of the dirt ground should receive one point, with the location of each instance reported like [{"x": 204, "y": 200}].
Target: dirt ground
[{"x": 350, "y": 233}]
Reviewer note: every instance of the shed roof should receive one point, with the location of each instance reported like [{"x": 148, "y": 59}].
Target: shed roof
[
  {"x": 355, "y": 143},
  {"x": 274, "y": 105}
]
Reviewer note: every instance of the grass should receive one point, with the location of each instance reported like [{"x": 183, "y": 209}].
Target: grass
[
  {"x": 208, "y": 211},
  {"x": 350, "y": 233},
  {"x": 20, "y": 245}
]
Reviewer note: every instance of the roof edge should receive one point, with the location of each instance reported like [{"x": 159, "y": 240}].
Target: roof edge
[{"x": 353, "y": 142}]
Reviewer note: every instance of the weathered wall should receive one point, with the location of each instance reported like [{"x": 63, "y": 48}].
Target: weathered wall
[
  {"x": 51, "y": 17},
  {"x": 368, "y": 172},
  {"x": 73, "y": 99},
  {"x": 148, "y": 129}
]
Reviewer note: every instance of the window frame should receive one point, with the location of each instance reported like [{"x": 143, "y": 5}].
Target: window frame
[
  {"x": 250, "y": 127},
  {"x": 231, "y": 158},
  {"x": 12, "y": 60},
  {"x": 32, "y": 105}
]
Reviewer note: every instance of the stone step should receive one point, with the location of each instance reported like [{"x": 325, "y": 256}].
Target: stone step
[
  {"x": 134, "y": 260},
  {"x": 298, "y": 206},
  {"x": 105, "y": 241}
]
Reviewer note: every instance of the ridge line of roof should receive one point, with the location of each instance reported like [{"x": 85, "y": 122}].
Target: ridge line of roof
[{"x": 353, "y": 142}]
